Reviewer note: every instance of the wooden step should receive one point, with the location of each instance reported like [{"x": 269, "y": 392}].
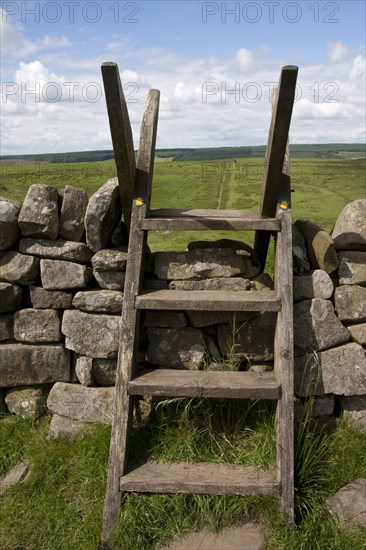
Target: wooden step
[
  {"x": 209, "y": 300},
  {"x": 205, "y": 383},
  {"x": 199, "y": 478},
  {"x": 197, "y": 219}
]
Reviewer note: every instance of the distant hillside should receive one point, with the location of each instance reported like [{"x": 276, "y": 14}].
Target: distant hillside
[{"x": 330, "y": 150}]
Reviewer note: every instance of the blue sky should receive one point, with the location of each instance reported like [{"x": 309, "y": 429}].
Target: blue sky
[{"x": 214, "y": 63}]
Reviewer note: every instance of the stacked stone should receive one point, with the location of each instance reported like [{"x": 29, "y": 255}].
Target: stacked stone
[
  {"x": 204, "y": 339},
  {"x": 60, "y": 298},
  {"x": 62, "y": 270},
  {"x": 330, "y": 314}
]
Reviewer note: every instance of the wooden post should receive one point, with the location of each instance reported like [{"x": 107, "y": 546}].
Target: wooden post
[
  {"x": 275, "y": 154},
  {"x": 121, "y": 133},
  {"x": 118, "y": 453},
  {"x": 284, "y": 347}
]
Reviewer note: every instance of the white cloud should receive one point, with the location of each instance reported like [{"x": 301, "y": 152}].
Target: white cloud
[
  {"x": 12, "y": 40},
  {"x": 244, "y": 58},
  {"x": 358, "y": 68},
  {"x": 338, "y": 52},
  {"x": 14, "y": 43},
  {"x": 50, "y": 41},
  {"x": 29, "y": 73},
  {"x": 330, "y": 104}
]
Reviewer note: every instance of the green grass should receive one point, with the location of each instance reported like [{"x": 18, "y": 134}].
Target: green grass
[
  {"x": 322, "y": 188},
  {"x": 60, "y": 506}
]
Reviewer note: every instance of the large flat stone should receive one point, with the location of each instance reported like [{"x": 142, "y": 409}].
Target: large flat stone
[
  {"x": 81, "y": 403},
  {"x": 349, "y": 231},
  {"x": 39, "y": 213},
  {"x": 42, "y": 298},
  {"x": 103, "y": 213},
  {"x": 84, "y": 371},
  {"x": 249, "y": 536},
  {"x": 56, "y": 250},
  {"x": 18, "y": 269},
  {"x": 15, "y": 475},
  {"x": 240, "y": 247},
  {"x": 203, "y": 264},
  {"x": 72, "y": 215},
  {"x": 103, "y": 301},
  {"x": 316, "y": 327},
  {"x": 110, "y": 259},
  {"x": 59, "y": 274},
  {"x": 358, "y": 333},
  {"x": 110, "y": 280},
  {"x": 91, "y": 335},
  {"x": 38, "y": 325},
  {"x": 321, "y": 250},
  {"x": 340, "y": 370},
  {"x": 354, "y": 410},
  {"x": 178, "y": 348},
  {"x": 9, "y": 213},
  {"x": 61, "y": 426},
  {"x": 352, "y": 267},
  {"x": 348, "y": 504},
  {"x": 317, "y": 284},
  {"x": 27, "y": 401},
  {"x": 26, "y": 364},
  {"x": 10, "y": 297},
  {"x": 350, "y": 303},
  {"x": 233, "y": 283},
  {"x": 253, "y": 339}
]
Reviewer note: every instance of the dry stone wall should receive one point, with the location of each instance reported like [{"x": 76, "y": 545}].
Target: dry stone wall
[{"x": 62, "y": 271}]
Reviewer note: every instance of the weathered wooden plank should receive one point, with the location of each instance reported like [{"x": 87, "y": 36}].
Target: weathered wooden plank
[
  {"x": 215, "y": 384},
  {"x": 275, "y": 154},
  {"x": 127, "y": 354},
  {"x": 200, "y": 478},
  {"x": 284, "y": 351},
  {"x": 277, "y": 141},
  {"x": 183, "y": 220},
  {"x": 121, "y": 133},
  {"x": 209, "y": 300}
]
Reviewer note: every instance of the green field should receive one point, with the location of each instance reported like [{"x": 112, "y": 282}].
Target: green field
[{"x": 322, "y": 187}]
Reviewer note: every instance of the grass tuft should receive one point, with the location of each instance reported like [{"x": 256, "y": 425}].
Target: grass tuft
[{"x": 60, "y": 506}]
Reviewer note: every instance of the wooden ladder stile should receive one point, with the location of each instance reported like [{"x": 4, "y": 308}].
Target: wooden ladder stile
[{"x": 274, "y": 217}]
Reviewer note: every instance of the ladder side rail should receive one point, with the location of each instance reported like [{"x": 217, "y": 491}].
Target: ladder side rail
[
  {"x": 127, "y": 352},
  {"x": 282, "y": 105},
  {"x": 284, "y": 349},
  {"x": 121, "y": 133}
]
